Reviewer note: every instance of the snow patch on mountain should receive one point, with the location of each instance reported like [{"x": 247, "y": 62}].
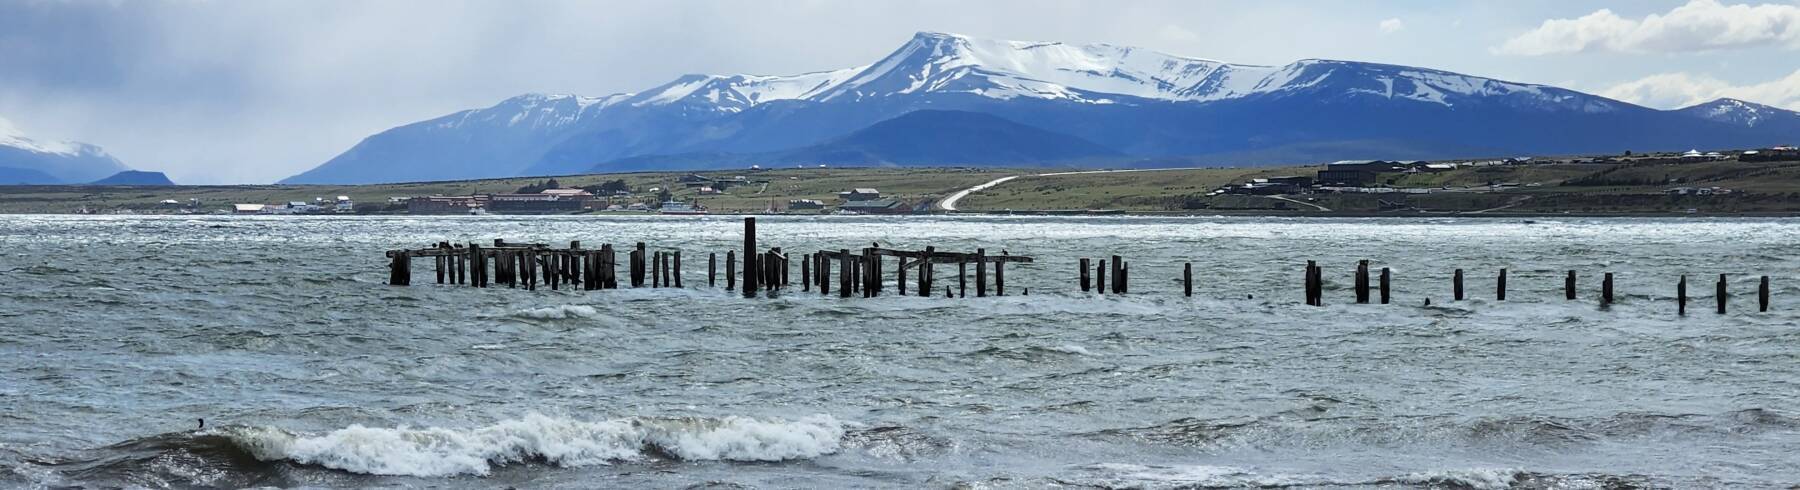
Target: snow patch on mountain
[{"x": 1738, "y": 112}]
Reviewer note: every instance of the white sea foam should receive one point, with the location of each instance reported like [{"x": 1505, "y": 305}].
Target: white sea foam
[
  {"x": 1072, "y": 349},
  {"x": 436, "y": 451},
  {"x": 560, "y": 312}
]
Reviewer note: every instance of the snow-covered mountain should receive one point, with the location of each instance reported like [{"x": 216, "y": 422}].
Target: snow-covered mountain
[
  {"x": 1141, "y": 103},
  {"x": 24, "y": 160},
  {"x": 1741, "y": 113}
]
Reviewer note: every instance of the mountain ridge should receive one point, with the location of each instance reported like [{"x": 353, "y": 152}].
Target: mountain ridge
[{"x": 1140, "y": 102}]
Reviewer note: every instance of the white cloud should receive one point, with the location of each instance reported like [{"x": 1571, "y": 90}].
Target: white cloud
[
  {"x": 1681, "y": 89},
  {"x": 1391, "y": 26},
  {"x": 1700, "y": 25}
]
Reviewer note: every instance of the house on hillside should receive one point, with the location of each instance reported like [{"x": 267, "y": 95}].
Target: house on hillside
[
  {"x": 534, "y": 204},
  {"x": 859, "y": 194},
  {"x": 1357, "y": 173},
  {"x": 805, "y": 205},
  {"x": 446, "y": 204}
]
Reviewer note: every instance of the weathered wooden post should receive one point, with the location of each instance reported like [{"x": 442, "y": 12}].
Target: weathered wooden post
[
  {"x": 1762, "y": 295},
  {"x": 1681, "y": 296},
  {"x": 749, "y": 256},
  {"x": 1500, "y": 287},
  {"x": 980, "y": 272},
  {"x": 806, "y": 277},
  {"x": 845, "y": 283},
  {"x": 438, "y": 266},
  {"x": 962, "y": 277},
  {"x": 637, "y": 266},
  {"x": 1362, "y": 282},
  {"x": 1457, "y": 287},
  {"x": 1569, "y": 286},
  {"x": 1187, "y": 279},
  {"x": 1311, "y": 275},
  {"x": 1123, "y": 282},
  {"x": 824, "y": 272},
  {"x": 924, "y": 272},
  {"x": 1384, "y": 285},
  {"x": 1084, "y": 275},
  {"x": 1606, "y": 290},
  {"x": 730, "y": 270},
  {"x": 1100, "y": 277},
  {"x": 1722, "y": 295},
  {"x": 1117, "y": 277},
  {"x": 610, "y": 265},
  {"x": 1000, "y": 274},
  {"x": 677, "y": 271},
  {"x": 398, "y": 275},
  {"x": 656, "y": 276}
]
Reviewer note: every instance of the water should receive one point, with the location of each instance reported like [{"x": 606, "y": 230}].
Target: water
[{"x": 116, "y": 333}]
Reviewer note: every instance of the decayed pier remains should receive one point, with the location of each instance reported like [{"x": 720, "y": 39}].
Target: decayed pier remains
[{"x": 861, "y": 272}]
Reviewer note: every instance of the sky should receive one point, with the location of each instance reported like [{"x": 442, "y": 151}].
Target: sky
[{"x": 255, "y": 91}]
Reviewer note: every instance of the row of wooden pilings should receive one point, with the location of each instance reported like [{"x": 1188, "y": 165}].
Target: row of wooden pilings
[
  {"x": 1314, "y": 288},
  {"x": 529, "y": 265}
]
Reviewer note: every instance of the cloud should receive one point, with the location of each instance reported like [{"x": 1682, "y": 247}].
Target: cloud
[
  {"x": 1700, "y": 25},
  {"x": 1391, "y": 26},
  {"x": 1681, "y": 89}
]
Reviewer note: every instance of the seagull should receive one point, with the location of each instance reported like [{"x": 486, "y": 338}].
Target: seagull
[{"x": 202, "y": 425}]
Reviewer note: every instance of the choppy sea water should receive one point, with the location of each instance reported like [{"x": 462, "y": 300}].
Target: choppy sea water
[{"x": 117, "y": 333}]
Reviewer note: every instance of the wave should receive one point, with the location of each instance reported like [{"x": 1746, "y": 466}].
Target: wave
[
  {"x": 560, "y": 312},
  {"x": 1122, "y": 475},
  {"x": 1320, "y": 424},
  {"x": 243, "y": 453}
]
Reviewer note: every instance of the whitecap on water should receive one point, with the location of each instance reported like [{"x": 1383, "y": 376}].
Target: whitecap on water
[
  {"x": 559, "y": 312},
  {"x": 438, "y": 451}
]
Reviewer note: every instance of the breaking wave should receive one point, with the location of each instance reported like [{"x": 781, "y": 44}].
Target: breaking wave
[
  {"x": 562, "y": 312},
  {"x": 534, "y": 438}
]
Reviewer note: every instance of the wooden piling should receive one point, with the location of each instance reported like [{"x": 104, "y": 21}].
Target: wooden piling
[
  {"x": 1084, "y": 275},
  {"x": 1362, "y": 282},
  {"x": 1569, "y": 286},
  {"x": 1721, "y": 294},
  {"x": 750, "y": 256},
  {"x": 1458, "y": 286},
  {"x": 844, "y": 280},
  {"x": 1606, "y": 290},
  {"x": 399, "y": 268},
  {"x": 962, "y": 281},
  {"x": 1187, "y": 279},
  {"x": 730, "y": 270},
  {"x": 1123, "y": 282},
  {"x": 1500, "y": 287},
  {"x": 1681, "y": 296},
  {"x": 824, "y": 272},
  {"x": 637, "y": 266},
  {"x": 1000, "y": 276},
  {"x": 806, "y": 278},
  {"x": 926, "y": 271},
  {"x": 1384, "y": 285},
  {"x": 1100, "y": 277},
  {"x": 1311, "y": 283},
  {"x": 1762, "y": 295},
  {"x": 656, "y": 269},
  {"x": 677, "y": 271},
  {"x": 1117, "y": 277},
  {"x": 980, "y": 272}
]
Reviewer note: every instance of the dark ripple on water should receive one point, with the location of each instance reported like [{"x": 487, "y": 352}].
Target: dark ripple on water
[{"x": 119, "y": 332}]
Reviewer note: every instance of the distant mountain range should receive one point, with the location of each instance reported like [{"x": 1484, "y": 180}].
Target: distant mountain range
[
  {"x": 24, "y": 160},
  {"x": 1041, "y": 103}
]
